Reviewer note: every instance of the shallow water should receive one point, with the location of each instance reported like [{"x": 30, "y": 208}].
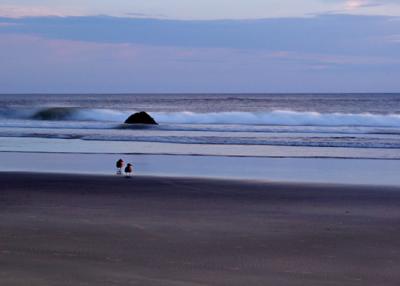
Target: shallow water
[{"x": 338, "y": 171}]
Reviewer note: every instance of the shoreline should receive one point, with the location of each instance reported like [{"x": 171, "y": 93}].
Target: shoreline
[
  {"x": 296, "y": 170},
  {"x": 205, "y": 180},
  {"x": 205, "y": 155},
  {"x": 63, "y": 229}
]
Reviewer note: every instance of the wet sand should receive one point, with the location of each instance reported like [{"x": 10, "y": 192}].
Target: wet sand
[{"x": 103, "y": 230}]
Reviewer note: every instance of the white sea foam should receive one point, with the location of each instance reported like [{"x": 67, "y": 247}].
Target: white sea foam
[
  {"x": 101, "y": 115},
  {"x": 271, "y": 118},
  {"x": 279, "y": 117}
]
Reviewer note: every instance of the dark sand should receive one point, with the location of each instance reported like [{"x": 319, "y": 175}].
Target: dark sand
[{"x": 98, "y": 230}]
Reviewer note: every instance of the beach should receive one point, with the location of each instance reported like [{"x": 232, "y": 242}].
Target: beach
[
  {"x": 196, "y": 143},
  {"x": 66, "y": 229}
]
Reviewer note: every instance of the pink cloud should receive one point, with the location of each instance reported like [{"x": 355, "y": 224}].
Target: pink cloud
[
  {"x": 355, "y": 4},
  {"x": 17, "y": 11}
]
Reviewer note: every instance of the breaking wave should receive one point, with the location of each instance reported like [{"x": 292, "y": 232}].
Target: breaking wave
[
  {"x": 277, "y": 117},
  {"x": 65, "y": 114},
  {"x": 78, "y": 114}
]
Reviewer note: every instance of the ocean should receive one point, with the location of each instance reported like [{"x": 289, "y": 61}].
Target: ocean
[{"x": 335, "y": 126}]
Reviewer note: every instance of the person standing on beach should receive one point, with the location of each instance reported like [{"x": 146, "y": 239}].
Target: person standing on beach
[
  {"x": 128, "y": 170},
  {"x": 120, "y": 164}
]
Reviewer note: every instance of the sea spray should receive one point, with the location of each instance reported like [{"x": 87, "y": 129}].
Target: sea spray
[{"x": 281, "y": 117}]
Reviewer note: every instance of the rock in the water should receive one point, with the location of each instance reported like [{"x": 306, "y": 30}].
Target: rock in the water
[{"x": 140, "y": 118}]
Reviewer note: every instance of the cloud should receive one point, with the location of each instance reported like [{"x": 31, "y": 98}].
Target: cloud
[
  {"x": 7, "y": 24},
  {"x": 393, "y": 38},
  {"x": 147, "y": 16},
  {"x": 371, "y": 7},
  {"x": 195, "y": 9},
  {"x": 110, "y": 54},
  {"x": 34, "y": 64},
  {"x": 20, "y": 11},
  {"x": 173, "y": 9},
  {"x": 323, "y": 34},
  {"x": 356, "y": 4}
]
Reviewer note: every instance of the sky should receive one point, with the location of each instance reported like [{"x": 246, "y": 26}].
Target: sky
[{"x": 140, "y": 46}]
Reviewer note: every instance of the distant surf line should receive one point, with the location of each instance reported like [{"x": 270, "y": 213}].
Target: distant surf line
[{"x": 271, "y": 118}]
